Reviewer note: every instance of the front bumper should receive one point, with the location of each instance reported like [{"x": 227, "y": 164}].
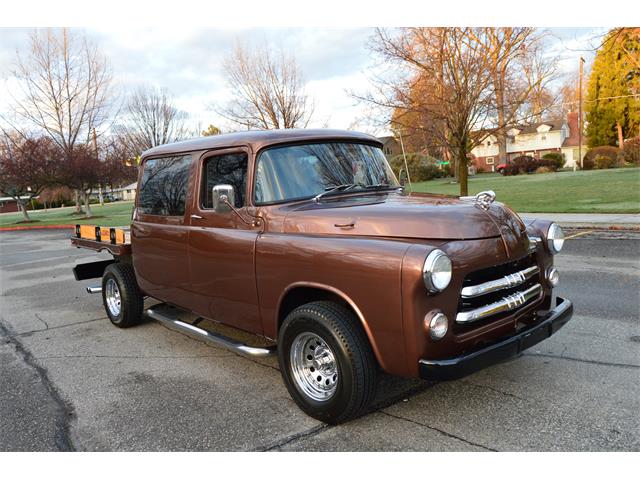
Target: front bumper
[{"x": 452, "y": 368}]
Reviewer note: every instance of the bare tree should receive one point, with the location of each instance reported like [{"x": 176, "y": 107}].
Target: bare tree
[
  {"x": 65, "y": 84},
  {"x": 152, "y": 119},
  {"x": 451, "y": 67},
  {"x": 268, "y": 90},
  {"x": 520, "y": 76},
  {"x": 460, "y": 84}
]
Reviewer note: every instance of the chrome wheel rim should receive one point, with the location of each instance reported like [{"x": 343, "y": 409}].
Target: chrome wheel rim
[
  {"x": 112, "y": 297},
  {"x": 314, "y": 367}
]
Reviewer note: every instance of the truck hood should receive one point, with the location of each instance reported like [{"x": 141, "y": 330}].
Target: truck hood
[{"x": 414, "y": 215}]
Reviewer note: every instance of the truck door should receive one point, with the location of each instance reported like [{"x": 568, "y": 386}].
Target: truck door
[
  {"x": 159, "y": 230},
  {"x": 222, "y": 247}
]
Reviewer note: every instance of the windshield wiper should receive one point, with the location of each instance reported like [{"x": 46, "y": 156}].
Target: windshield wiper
[
  {"x": 381, "y": 186},
  {"x": 338, "y": 188}
]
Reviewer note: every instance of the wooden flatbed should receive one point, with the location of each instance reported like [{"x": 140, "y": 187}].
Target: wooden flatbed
[{"x": 113, "y": 240}]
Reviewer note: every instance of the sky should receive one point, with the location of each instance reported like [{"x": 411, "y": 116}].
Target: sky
[{"x": 187, "y": 62}]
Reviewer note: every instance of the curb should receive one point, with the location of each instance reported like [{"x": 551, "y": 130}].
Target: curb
[
  {"x": 601, "y": 226},
  {"x": 36, "y": 227}
]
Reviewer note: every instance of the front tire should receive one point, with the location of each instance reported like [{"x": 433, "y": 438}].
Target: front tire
[
  {"x": 326, "y": 362},
  {"x": 121, "y": 296}
]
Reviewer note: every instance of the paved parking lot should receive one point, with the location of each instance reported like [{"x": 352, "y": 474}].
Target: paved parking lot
[{"x": 71, "y": 381}]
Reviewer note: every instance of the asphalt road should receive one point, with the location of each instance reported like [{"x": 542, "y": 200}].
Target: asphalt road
[{"x": 69, "y": 380}]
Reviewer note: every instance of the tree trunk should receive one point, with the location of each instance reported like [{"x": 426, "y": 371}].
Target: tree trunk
[
  {"x": 76, "y": 194},
  {"x": 620, "y": 136},
  {"x": 462, "y": 171},
  {"x": 23, "y": 206},
  {"x": 87, "y": 206},
  {"x": 100, "y": 195},
  {"x": 501, "y": 137}
]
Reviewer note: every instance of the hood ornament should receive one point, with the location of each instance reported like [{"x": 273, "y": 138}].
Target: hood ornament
[{"x": 485, "y": 199}]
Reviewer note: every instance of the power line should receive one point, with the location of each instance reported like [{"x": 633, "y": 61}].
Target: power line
[{"x": 603, "y": 98}]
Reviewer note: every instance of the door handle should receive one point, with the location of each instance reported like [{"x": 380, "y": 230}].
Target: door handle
[{"x": 197, "y": 217}]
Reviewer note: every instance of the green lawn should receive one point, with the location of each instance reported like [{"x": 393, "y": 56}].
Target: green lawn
[
  {"x": 110, "y": 215},
  {"x": 596, "y": 191}
]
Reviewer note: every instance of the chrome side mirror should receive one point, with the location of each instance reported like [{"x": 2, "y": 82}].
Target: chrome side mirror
[{"x": 222, "y": 195}]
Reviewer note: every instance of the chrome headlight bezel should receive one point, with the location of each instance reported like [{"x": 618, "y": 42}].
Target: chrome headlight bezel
[
  {"x": 438, "y": 326},
  {"x": 437, "y": 271},
  {"x": 555, "y": 238}
]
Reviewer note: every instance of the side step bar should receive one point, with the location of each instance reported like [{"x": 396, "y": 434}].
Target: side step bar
[{"x": 214, "y": 339}]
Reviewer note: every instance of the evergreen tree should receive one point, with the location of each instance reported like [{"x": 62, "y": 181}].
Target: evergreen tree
[{"x": 615, "y": 73}]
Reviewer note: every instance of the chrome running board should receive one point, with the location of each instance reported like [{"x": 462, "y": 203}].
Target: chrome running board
[{"x": 214, "y": 339}]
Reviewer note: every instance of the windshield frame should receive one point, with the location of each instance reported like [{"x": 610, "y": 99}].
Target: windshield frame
[{"x": 311, "y": 142}]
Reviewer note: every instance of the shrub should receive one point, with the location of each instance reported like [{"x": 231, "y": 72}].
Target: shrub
[
  {"x": 589, "y": 160},
  {"x": 553, "y": 160},
  {"x": 421, "y": 167},
  {"x": 603, "y": 162},
  {"x": 544, "y": 170},
  {"x": 631, "y": 151}
]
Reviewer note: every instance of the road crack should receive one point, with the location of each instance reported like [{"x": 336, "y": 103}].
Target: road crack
[
  {"x": 292, "y": 438},
  {"x": 65, "y": 411},
  {"x": 487, "y": 387},
  {"x": 583, "y": 360},
  {"x": 447, "y": 434}
]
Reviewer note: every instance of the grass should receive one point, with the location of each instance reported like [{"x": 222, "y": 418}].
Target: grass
[
  {"x": 110, "y": 215},
  {"x": 596, "y": 191}
]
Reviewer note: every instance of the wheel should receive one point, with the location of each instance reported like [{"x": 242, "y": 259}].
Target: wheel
[
  {"x": 120, "y": 294},
  {"x": 326, "y": 362}
]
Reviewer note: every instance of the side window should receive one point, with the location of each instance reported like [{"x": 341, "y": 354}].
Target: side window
[
  {"x": 228, "y": 169},
  {"x": 163, "y": 188}
]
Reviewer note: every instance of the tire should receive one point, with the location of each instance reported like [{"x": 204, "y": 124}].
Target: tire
[
  {"x": 121, "y": 296},
  {"x": 327, "y": 324}
]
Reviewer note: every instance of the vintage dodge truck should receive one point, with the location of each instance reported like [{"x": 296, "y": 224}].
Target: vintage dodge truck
[{"x": 306, "y": 240}]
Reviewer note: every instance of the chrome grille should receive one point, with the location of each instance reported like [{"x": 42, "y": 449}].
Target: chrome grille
[{"x": 490, "y": 292}]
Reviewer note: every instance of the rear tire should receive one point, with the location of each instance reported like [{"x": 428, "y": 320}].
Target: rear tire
[
  {"x": 121, "y": 296},
  {"x": 326, "y": 362}
]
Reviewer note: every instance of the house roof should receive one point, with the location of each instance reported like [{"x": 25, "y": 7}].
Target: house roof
[
  {"x": 257, "y": 139},
  {"x": 387, "y": 139},
  {"x": 555, "y": 124},
  {"x": 131, "y": 186}
]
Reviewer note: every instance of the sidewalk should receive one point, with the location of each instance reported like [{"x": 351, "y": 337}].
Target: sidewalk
[{"x": 590, "y": 220}]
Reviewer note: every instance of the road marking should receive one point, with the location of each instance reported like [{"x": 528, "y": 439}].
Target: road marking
[{"x": 579, "y": 234}]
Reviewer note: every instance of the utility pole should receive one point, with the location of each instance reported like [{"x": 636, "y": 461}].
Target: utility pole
[{"x": 580, "y": 113}]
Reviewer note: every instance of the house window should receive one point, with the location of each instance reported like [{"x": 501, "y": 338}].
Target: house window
[
  {"x": 544, "y": 137},
  {"x": 488, "y": 144},
  {"x": 489, "y": 160}
]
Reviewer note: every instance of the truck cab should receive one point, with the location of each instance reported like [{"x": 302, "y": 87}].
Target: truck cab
[{"x": 306, "y": 240}]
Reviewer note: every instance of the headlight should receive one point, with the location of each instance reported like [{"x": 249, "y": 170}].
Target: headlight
[
  {"x": 555, "y": 238},
  {"x": 436, "y": 271}
]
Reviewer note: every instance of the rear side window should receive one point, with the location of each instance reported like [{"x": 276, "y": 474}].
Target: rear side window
[
  {"x": 163, "y": 189},
  {"x": 230, "y": 169}
]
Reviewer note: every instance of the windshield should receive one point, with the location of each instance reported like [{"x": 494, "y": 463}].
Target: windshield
[{"x": 303, "y": 171}]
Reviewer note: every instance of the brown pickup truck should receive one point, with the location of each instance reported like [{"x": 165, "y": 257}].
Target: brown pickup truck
[{"x": 306, "y": 240}]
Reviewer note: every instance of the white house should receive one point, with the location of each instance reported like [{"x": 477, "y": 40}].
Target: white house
[
  {"x": 535, "y": 140},
  {"x": 127, "y": 192}
]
